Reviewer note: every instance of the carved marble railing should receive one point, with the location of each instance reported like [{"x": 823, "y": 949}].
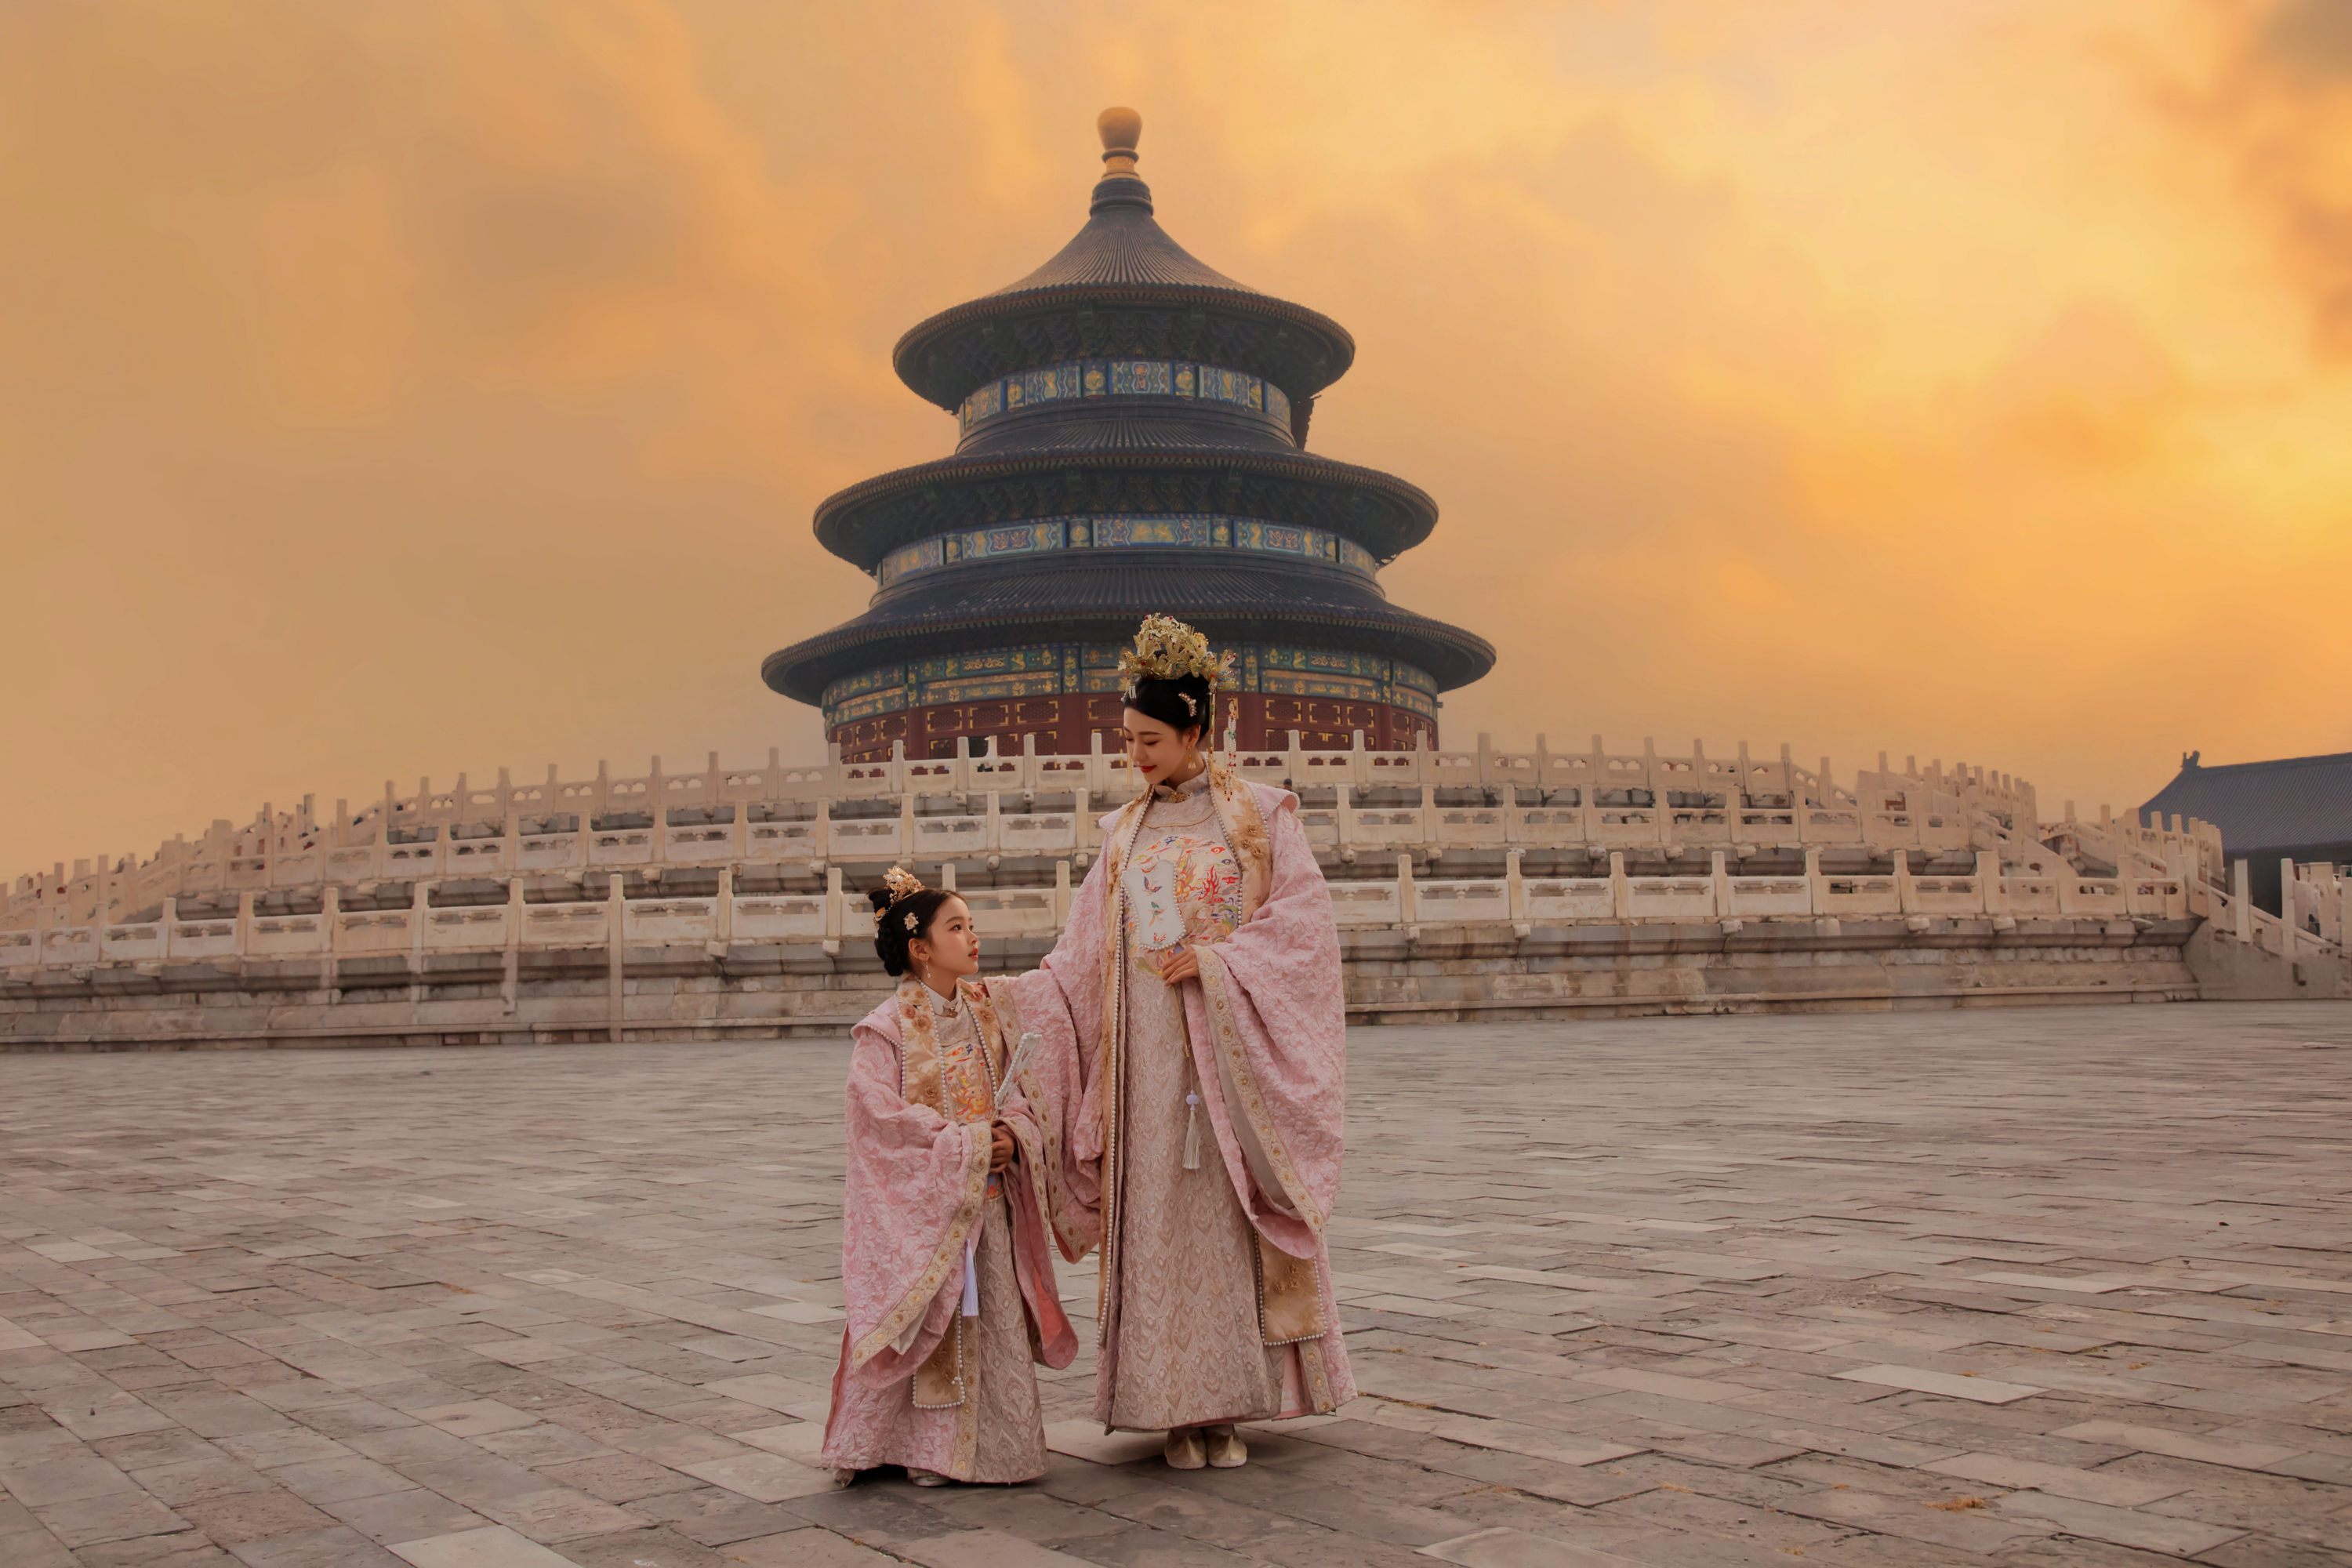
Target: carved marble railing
[
  {"x": 828, "y": 918},
  {"x": 1484, "y": 802}
]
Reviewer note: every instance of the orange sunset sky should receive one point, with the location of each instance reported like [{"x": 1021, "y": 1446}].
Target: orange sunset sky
[{"x": 390, "y": 389}]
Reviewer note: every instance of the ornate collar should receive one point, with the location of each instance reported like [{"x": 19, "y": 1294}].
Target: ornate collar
[{"x": 1190, "y": 789}]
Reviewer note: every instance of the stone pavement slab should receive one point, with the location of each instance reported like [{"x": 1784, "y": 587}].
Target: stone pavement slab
[{"x": 2010, "y": 1287}]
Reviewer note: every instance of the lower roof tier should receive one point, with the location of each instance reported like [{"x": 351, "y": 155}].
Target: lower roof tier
[{"x": 1085, "y": 597}]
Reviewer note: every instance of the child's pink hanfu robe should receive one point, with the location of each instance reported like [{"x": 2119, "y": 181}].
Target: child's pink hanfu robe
[
  {"x": 923, "y": 1382},
  {"x": 1201, "y": 1123}
]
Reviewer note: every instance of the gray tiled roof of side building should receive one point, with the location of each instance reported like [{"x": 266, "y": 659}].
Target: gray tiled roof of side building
[{"x": 2291, "y": 802}]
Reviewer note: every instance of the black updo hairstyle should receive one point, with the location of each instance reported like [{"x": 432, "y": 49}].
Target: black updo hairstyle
[
  {"x": 1164, "y": 701},
  {"x": 891, "y": 933}
]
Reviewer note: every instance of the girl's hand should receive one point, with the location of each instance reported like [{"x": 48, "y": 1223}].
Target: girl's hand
[
  {"x": 1185, "y": 965},
  {"x": 1001, "y": 1148}
]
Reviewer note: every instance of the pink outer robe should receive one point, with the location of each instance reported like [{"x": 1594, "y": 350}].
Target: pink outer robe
[
  {"x": 1267, "y": 1027},
  {"x": 915, "y": 1187}
]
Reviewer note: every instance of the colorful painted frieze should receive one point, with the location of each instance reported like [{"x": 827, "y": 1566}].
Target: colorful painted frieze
[
  {"x": 1046, "y": 669},
  {"x": 1115, "y": 531},
  {"x": 1124, "y": 378}
]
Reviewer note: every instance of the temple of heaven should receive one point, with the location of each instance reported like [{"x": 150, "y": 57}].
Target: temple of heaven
[{"x": 1133, "y": 439}]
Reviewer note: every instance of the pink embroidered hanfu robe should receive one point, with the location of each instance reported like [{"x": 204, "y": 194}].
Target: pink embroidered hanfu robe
[
  {"x": 1201, "y": 1123},
  {"x": 936, "y": 1367}
]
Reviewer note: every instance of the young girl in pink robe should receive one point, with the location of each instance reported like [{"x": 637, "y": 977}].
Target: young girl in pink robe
[{"x": 945, "y": 1272}]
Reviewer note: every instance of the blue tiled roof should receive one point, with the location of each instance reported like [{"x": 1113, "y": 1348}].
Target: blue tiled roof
[{"x": 1085, "y": 597}]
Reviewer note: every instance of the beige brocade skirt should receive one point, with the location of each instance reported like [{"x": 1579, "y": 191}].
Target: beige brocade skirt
[
  {"x": 1187, "y": 1348},
  {"x": 1011, "y": 1443}
]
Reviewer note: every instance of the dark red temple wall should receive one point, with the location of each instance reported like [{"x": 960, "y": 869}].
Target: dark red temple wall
[{"x": 1068, "y": 724}]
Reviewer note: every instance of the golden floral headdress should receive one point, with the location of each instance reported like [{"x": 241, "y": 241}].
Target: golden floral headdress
[
  {"x": 903, "y": 886},
  {"x": 1167, "y": 649}
]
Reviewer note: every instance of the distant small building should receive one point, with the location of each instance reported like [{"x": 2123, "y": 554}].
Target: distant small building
[{"x": 2296, "y": 808}]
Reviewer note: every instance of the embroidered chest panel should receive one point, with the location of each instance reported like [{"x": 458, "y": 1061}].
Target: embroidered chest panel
[
  {"x": 1183, "y": 882},
  {"x": 963, "y": 1071}
]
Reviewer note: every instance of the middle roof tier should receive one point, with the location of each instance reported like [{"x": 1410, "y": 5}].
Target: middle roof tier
[{"x": 1101, "y": 461}]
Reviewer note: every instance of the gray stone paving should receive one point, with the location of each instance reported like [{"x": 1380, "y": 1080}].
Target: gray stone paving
[{"x": 2028, "y": 1287}]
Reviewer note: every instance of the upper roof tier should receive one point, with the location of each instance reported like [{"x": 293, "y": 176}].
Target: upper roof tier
[{"x": 1121, "y": 287}]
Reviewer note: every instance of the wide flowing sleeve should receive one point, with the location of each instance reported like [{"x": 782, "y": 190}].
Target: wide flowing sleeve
[
  {"x": 913, "y": 1191},
  {"x": 1274, "y": 1007},
  {"x": 1061, "y": 1002},
  {"x": 1028, "y": 1192}
]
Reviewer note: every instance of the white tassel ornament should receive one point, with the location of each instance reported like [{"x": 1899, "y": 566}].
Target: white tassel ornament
[{"x": 1193, "y": 1131}]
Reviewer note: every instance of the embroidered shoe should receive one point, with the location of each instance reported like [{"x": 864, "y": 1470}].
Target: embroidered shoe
[
  {"x": 1185, "y": 1450},
  {"x": 926, "y": 1477},
  {"x": 1225, "y": 1448}
]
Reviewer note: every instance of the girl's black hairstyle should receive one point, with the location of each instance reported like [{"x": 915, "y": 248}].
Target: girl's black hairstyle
[
  {"x": 1165, "y": 700},
  {"x": 891, "y": 931}
]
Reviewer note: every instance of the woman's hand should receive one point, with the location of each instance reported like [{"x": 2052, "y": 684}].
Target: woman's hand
[
  {"x": 1001, "y": 1148},
  {"x": 1185, "y": 965}
]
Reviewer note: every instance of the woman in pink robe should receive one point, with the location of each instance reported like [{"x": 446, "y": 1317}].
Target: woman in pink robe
[
  {"x": 1193, "y": 1043},
  {"x": 945, "y": 1268}
]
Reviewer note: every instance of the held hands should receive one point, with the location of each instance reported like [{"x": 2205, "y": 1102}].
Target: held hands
[
  {"x": 1185, "y": 965},
  {"x": 1001, "y": 1148}
]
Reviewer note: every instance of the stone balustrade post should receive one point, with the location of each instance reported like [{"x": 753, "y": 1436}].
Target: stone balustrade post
[
  {"x": 2288, "y": 935},
  {"x": 1989, "y": 888},
  {"x": 616, "y": 936},
  {"x": 1654, "y": 779},
  {"x": 1621, "y": 887},
  {"x": 331, "y": 943},
  {"x": 1408, "y": 907},
  {"x": 420, "y": 911},
  {"x": 511, "y": 979}
]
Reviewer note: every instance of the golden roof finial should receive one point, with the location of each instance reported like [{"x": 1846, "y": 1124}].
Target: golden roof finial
[{"x": 1120, "y": 128}]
